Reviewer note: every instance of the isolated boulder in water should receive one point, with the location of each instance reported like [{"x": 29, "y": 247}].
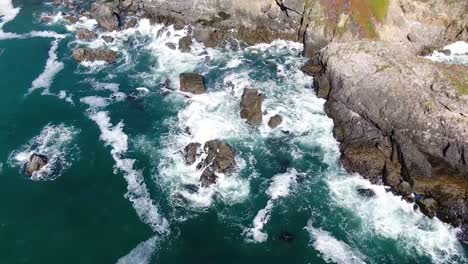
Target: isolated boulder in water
[
  {"x": 87, "y": 54},
  {"x": 85, "y": 34},
  {"x": 428, "y": 206},
  {"x": 251, "y": 107},
  {"x": 132, "y": 23},
  {"x": 207, "y": 178},
  {"x": 192, "y": 83},
  {"x": 191, "y": 153},
  {"x": 275, "y": 121},
  {"x": 185, "y": 43},
  {"x": 366, "y": 192},
  {"x": 36, "y": 163},
  {"x": 106, "y": 16}
]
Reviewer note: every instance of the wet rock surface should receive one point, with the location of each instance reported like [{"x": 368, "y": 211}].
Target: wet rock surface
[
  {"x": 91, "y": 55},
  {"x": 422, "y": 148},
  {"x": 191, "y": 153},
  {"x": 192, "y": 83},
  {"x": 36, "y": 163},
  {"x": 251, "y": 107},
  {"x": 185, "y": 43},
  {"x": 275, "y": 121},
  {"x": 85, "y": 34}
]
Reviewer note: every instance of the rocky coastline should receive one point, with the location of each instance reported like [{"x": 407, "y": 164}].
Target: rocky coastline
[{"x": 401, "y": 119}]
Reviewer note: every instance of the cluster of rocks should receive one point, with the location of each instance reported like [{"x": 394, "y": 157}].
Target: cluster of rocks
[{"x": 219, "y": 156}]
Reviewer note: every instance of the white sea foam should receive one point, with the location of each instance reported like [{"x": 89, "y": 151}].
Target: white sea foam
[
  {"x": 388, "y": 216},
  {"x": 458, "y": 54},
  {"x": 142, "y": 253},
  {"x": 280, "y": 186},
  {"x": 7, "y": 13},
  {"x": 137, "y": 191},
  {"x": 332, "y": 249},
  {"x": 54, "y": 141},
  {"x": 52, "y": 67}
]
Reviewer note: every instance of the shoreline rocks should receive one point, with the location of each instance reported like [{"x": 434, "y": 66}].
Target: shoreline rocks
[
  {"x": 91, "y": 55},
  {"x": 369, "y": 87},
  {"x": 85, "y": 34}
]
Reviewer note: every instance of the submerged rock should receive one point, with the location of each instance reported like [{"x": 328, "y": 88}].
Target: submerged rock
[
  {"x": 185, "y": 43},
  {"x": 36, "y": 163},
  {"x": 275, "y": 121},
  {"x": 170, "y": 45},
  {"x": 192, "y": 83},
  {"x": 286, "y": 236},
  {"x": 251, "y": 107},
  {"x": 366, "y": 192},
  {"x": 108, "y": 39},
  {"x": 132, "y": 23},
  {"x": 85, "y": 34},
  {"x": 88, "y": 54}
]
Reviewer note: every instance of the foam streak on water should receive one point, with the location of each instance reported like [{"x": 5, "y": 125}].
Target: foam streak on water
[
  {"x": 142, "y": 253},
  {"x": 7, "y": 14},
  {"x": 280, "y": 186},
  {"x": 137, "y": 192},
  {"x": 332, "y": 249},
  {"x": 52, "y": 67}
]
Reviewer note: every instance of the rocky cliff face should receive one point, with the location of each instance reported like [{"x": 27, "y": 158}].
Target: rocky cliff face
[{"x": 401, "y": 119}]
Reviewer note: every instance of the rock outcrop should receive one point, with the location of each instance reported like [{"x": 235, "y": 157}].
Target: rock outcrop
[
  {"x": 106, "y": 14},
  {"x": 91, "y": 55},
  {"x": 36, "y": 163},
  {"x": 401, "y": 119},
  {"x": 85, "y": 34},
  {"x": 251, "y": 107},
  {"x": 192, "y": 83},
  {"x": 219, "y": 157},
  {"x": 185, "y": 43}
]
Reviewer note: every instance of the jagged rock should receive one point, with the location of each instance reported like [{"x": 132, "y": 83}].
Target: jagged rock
[
  {"x": 36, "y": 163},
  {"x": 185, "y": 43},
  {"x": 251, "y": 107},
  {"x": 106, "y": 15},
  {"x": 208, "y": 178},
  {"x": 88, "y": 54},
  {"x": 108, "y": 39},
  {"x": 428, "y": 206},
  {"x": 85, "y": 34},
  {"x": 219, "y": 156},
  {"x": 368, "y": 87},
  {"x": 125, "y": 4},
  {"x": 192, "y": 83},
  {"x": 170, "y": 45},
  {"x": 275, "y": 121},
  {"x": 208, "y": 36},
  {"x": 58, "y": 2},
  {"x": 191, "y": 153},
  {"x": 366, "y": 192}
]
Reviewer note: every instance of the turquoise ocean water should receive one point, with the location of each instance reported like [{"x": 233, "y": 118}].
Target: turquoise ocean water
[{"x": 117, "y": 189}]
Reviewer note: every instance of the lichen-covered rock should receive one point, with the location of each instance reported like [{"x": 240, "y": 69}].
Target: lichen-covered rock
[
  {"x": 91, "y": 55},
  {"x": 192, "y": 83},
  {"x": 251, "y": 107}
]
